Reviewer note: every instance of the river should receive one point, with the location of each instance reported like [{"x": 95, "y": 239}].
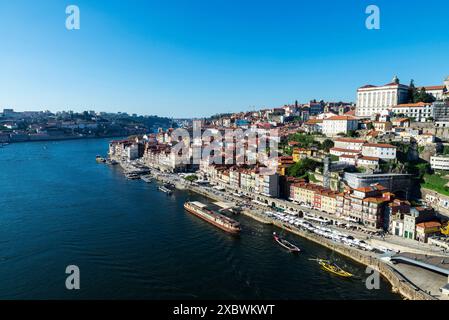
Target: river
[{"x": 58, "y": 207}]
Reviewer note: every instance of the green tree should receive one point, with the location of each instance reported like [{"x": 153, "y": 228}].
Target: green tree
[
  {"x": 302, "y": 167},
  {"x": 423, "y": 96},
  {"x": 411, "y": 92},
  {"x": 327, "y": 145}
]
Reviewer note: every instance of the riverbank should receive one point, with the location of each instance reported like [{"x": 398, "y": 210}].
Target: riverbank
[
  {"x": 63, "y": 138},
  {"x": 399, "y": 283}
]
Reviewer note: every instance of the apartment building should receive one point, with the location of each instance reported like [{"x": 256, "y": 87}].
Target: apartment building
[
  {"x": 440, "y": 162},
  {"x": 378, "y": 150},
  {"x": 339, "y": 124},
  {"x": 420, "y": 111}
]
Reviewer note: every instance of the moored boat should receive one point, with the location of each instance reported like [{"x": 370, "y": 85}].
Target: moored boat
[
  {"x": 100, "y": 159},
  {"x": 333, "y": 268},
  {"x": 221, "y": 221},
  {"x": 286, "y": 244},
  {"x": 165, "y": 189}
]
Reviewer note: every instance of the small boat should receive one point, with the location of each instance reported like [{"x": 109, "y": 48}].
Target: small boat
[
  {"x": 333, "y": 268},
  {"x": 147, "y": 179},
  {"x": 165, "y": 189},
  {"x": 285, "y": 244},
  {"x": 100, "y": 159}
]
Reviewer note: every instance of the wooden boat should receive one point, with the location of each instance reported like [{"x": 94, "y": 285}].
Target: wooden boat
[
  {"x": 286, "y": 244},
  {"x": 333, "y": 268}
]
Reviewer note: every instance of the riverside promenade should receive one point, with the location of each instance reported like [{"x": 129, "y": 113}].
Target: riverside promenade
[{"x": 400, "y": 284}]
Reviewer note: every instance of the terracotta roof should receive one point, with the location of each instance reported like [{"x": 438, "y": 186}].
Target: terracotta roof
[
  {"x": 350, "y": 156},
  {"x": 350, "y": 113},
  {"x": 349, "y": 140},
  {"x": 375, "y": 200},
  {"x": 375, "y": 187},
  {"x": 415, "y": 105},
  {"x": 430, "y": 224},
  {"x": 379, "y": 145},
  {"x": 314, "y": 121},
  {"x": 434, "y": 88},
  {"x": 341, "y": 118},
  {"x": 369, "y": 158},
  {"x": 345, "y": 150}
]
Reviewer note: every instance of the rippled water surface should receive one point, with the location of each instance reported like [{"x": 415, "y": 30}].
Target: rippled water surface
[{"x": 58, "y": 207}]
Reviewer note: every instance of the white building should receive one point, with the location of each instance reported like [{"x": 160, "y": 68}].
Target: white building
[
  {"x": 439, "y": 162},
  {"x": 132, "y": 152},
  {"x": 420, "y": 111},
  {"x": 438, "y": 92},
  {"x": 267, "y": 184},
  {"x": 379, "y": 150},
  {"x": 349, "y": 143},
  {"x": 339, "y": 124},
  {"x": 359, "y": 161},
  {"x": 339, "y": 152},
  {"x": 373, "y": 100}
]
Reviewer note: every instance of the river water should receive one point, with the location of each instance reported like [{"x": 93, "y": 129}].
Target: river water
[{"x": 58, "y": 207}]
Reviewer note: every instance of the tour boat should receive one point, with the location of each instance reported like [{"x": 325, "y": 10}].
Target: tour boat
[
  {"x": 285, "y": 244},
  {"x": 220, "y": 221}
]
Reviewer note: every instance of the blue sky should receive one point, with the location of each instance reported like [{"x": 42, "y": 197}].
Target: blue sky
[{"x": 197, "y": 58}]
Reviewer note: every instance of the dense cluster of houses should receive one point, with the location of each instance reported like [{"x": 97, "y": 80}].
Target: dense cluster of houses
[{"x": 381, "y": 116}]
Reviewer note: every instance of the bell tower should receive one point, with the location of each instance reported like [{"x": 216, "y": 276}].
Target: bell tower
[
  {"x": 446, "y": 83},
  {"x": 395, "y": 80}
]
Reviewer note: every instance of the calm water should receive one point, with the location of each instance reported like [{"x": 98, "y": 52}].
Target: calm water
[{"x": 59, "y": 207}]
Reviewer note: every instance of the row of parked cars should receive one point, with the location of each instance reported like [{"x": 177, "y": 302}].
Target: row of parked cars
[{"x": 321, "y": 230}]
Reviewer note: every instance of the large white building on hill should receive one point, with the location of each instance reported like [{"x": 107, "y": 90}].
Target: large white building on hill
[{"x": 373, "y": 100}]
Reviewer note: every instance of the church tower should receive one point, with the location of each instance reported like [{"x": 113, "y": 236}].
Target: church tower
[{"x": 446, "y": 83}]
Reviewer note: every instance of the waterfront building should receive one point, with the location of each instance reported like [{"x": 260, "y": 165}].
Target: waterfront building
[
  {"x": 285, "y": 184},
  {"x": 339, "y": 125},
  {"x": 372, "y": 100},
  {"x": 424, "y": 230},
  {"x": 419, "y": 111},
  {"x": 234, "y": 178},
  {"x": 366, "y": 205},
  {"x": 440, "y": 162},
  {"x": 415, "y": 216},
  {"x": 381, "y": 151},
  {"x": 394, "y": 217},
  {"x": 315, "y": 196},
  {"x": 267, "y": 184}
]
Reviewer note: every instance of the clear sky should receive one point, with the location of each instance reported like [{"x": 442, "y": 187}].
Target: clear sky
[{"x": 196, "y": 58}]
